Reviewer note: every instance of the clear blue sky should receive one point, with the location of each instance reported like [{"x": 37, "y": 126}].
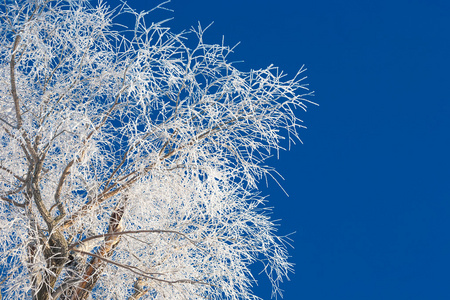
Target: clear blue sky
[{"x": 369, "y": 189}]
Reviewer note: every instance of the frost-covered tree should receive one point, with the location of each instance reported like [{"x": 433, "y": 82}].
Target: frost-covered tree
[{"x": 129, "y": 161}]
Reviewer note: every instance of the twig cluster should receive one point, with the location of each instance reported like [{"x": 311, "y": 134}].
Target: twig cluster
[{"x": 129, "y": 161}]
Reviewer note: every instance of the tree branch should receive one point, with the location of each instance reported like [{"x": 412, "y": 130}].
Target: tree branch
[
  {"x": 138, "y": 290},
  {"x": 73, "y": 246},
  {"x": 35, "y": 191},
  {"x": 12, "y": 65},
  {"x": 7, "y": 123},
  {"x": 22, "y": 205},
  {"x": 141, "y": 272},
  {"x": 11, "y": 173},
  {"x": 94, "y": 269}
]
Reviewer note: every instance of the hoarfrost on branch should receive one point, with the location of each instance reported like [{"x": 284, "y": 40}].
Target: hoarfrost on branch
[{"x": 129, "y": 161}]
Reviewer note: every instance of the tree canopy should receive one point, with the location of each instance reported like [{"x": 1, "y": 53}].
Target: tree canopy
[{"x": 129, "y": 161}]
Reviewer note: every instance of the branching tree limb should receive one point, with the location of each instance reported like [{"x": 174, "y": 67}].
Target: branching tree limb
[{"x": 130, "y": 161}]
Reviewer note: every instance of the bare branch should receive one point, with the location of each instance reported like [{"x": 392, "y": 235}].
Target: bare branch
[
  {"x": 140, "y": 272},
  {"x": 21, "y": 205},
  {"x": 12, "y": 65},
  {"x": 138, "y": 290},
  {"x": 101, "y": 236},
  {"x": 11, "y": 173}
]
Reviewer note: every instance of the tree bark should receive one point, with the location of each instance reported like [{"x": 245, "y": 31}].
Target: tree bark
[{"x": 95, "y": 268}]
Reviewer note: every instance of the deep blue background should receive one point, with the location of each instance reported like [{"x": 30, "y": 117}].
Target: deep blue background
[{"x": 369, "y": 189}]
